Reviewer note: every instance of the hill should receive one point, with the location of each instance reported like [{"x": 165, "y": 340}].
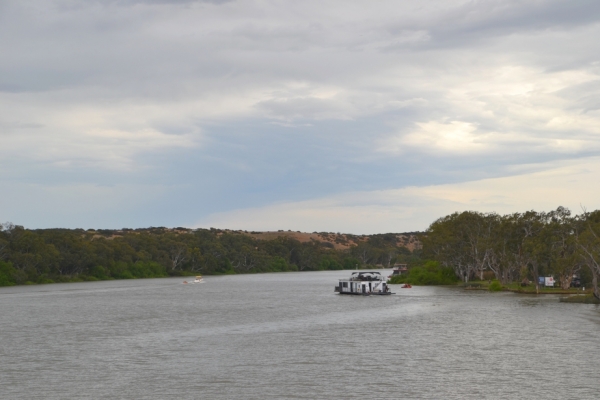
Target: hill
[{"x": 340, "y": 241}]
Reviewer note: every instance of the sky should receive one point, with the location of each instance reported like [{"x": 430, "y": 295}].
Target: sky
[{"x": 358, "y": 117}]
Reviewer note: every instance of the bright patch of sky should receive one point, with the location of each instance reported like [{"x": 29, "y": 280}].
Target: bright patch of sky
[{"x": 359, "y": 117}]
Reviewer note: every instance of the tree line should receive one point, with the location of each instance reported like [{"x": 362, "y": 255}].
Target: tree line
[
  {"x": 60, "y": 255},
  {"x": 518, "y": 246}
]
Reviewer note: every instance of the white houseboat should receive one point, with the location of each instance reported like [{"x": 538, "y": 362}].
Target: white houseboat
[{"x": 364, "y": 284}]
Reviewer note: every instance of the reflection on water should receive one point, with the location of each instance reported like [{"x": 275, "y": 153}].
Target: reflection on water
[{"x": 289, "y": 336}]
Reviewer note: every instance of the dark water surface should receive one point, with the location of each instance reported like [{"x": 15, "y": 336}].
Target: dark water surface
[{"x": 288, "y": 335}]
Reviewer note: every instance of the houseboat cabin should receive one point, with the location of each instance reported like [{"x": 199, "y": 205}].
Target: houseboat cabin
[
  {"x": 399, "y": 269},
  {"x": 363, "y": 283}
]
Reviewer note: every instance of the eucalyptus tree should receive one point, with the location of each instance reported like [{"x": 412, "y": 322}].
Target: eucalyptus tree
[
  {"x": 563, "y": 252},
  {"x": 76, "y": 255},
  {"x": 196, "y": 259},
  {"x": 476, "y": 231},
  {"x": 502, "y": 246},
  {"x": 532, "y": 244},
  {"x": 283, "y": 246},
  {"x": 460, "y": 241},
  {"x": 3, "y": 248},
  {"x": 364, "y": 252},
  {"x": 441, "y": 243},
  {"x": 309, "y": 255},
  {"x": 533, "y": 240},
  {"x": 589, "y": 245},
  {"x": 4, "y": 229},
  {"x": 30, "y": 254}
]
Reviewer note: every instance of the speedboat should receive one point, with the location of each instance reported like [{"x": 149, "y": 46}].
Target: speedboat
[
  {"x": 198, "y": 279},
  {"x": 364, "y": 284}
]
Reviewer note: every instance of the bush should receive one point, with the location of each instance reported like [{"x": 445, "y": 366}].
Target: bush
[
  {"x": 351, "y": 263},
  {"x": 7, "y": 274},
  {"x": 278, "y": 264},
  {"x": 328, "y": 263},
  {"x": 397, "y": 279},
  {"x": 99, "y": 272},
  {"x": 126, "y": 275},
  {"x": 44, "y": 279},
  {"x": 495, "y": 286},
  {"x": 147, "y": 270},
  {"x": 119, "y": 270}
]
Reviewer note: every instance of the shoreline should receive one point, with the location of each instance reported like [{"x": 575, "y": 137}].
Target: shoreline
[{"x": 527, "y": 289}]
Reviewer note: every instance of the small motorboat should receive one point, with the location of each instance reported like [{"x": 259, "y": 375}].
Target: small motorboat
[
  {"x": 198, "y": 279},
  {"x": 406, "y": 286}
]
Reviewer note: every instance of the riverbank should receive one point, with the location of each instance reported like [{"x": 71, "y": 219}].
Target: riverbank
[
  {"x": 580, "y": 299},
  {"x": 529, "y": 289}
]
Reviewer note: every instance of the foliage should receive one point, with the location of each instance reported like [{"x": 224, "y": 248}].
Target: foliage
[
  {"x": 495, "y": 286},
  {"x": 397, "y": 279},
  {"x": 515, "y": 246},
  {"x": 64, "y": 255},
  {"x": 519, "y": 247},
  {"x": 430, "y": 273},
  {"x": 7, "y": 274}
]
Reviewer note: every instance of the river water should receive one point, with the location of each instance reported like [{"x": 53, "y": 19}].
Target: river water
[{"x": 287, "y": 335}]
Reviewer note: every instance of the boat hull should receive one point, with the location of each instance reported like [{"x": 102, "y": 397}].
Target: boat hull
[
  {"x": 356, "y": 293},
  {"x": 366, "y": 294}
]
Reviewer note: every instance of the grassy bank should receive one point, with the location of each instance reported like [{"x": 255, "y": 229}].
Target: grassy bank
[{"x": 517, "y": 288}]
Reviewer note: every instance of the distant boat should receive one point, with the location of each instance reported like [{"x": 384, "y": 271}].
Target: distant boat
[
  {"x": 399, "y": 269},
  {"x": 363, "y": 283},
  {"x": 198, "y": 279}
]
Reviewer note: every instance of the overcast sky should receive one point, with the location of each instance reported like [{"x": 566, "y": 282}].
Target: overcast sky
[{"x": 358, "y": 117}]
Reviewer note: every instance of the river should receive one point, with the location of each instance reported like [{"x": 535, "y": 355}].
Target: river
[{"x": 287, "y": 335}]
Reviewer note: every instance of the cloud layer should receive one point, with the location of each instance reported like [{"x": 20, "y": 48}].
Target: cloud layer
[{"x": 142, "y": 113}]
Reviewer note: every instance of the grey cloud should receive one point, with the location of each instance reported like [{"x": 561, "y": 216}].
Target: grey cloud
[
  {"x": 10, "y": 126},
  {"x": 11, "y": 88},
  {"x": 303, "y": 108},
  {"x": 584, "y": 97},
  {"x": 478, "y": 21},
  {"x": 125, "y": 51},
  {"x": 119, "y": 83},
  {"x": 163, "y": 2}
]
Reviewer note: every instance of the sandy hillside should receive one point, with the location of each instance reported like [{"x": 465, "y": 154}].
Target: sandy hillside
[{"x": 339, "y": 241}]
